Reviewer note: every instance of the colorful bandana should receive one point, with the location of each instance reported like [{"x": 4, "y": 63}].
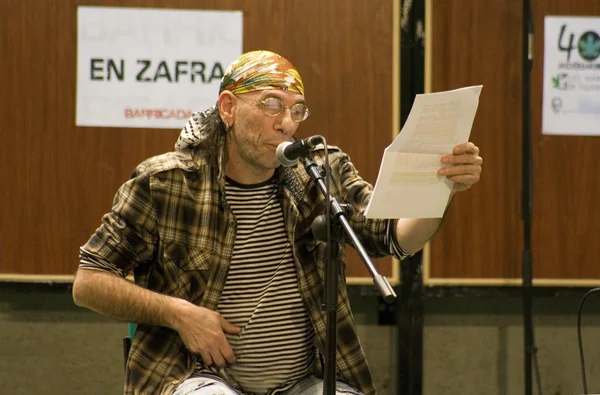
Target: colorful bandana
[{"x": 261, "y": 70}]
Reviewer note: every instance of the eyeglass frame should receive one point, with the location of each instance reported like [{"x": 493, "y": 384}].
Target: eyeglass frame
[{"x": 261, "y": 104}]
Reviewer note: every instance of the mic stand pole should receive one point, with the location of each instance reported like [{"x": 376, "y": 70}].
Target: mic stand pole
[
  {"x": 527, "y": 272},
  {"x": 339, "y": 218}
]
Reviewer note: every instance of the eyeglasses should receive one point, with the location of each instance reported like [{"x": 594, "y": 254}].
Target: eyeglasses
[{"x": 272, "y": 107}]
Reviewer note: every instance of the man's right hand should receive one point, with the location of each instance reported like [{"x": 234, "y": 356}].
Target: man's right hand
[{"x": 203, "y": 332}]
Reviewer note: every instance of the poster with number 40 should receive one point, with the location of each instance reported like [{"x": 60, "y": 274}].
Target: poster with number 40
[{"x": 571, "y": 102}]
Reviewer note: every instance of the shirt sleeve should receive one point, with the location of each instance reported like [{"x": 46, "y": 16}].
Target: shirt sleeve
[
  {"x": 128, "y": 233},
  {"x": 378, "y": 236},
  {"x": 390, "y": 240}
]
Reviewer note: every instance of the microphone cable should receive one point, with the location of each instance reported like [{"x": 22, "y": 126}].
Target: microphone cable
[
  {"x": 588, "y": 293},
  {"x": 327, "y": 201}
]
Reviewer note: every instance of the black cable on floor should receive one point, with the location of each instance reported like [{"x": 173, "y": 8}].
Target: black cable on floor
[{"x": 591, "y": 291}]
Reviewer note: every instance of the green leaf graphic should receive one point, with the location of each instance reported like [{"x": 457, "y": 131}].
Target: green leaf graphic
[{"x": 589, "y": 47}]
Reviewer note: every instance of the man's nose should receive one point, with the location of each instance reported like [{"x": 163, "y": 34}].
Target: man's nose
[{"x": 285, "y": 122}]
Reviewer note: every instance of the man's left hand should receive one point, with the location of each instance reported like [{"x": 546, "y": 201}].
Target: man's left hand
[{"x": 463, "y": 166}]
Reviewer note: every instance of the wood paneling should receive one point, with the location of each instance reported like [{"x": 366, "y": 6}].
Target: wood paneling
[
  {"x": 566, "y": 183},
  {"x": 478, "y": 42},
  {"x": 57, "y": 180}
]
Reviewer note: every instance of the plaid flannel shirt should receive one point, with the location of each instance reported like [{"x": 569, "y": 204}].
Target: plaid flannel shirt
[{"x": 170, "y": 224}]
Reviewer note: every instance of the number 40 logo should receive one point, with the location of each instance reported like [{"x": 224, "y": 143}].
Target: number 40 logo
[{"x": 588, "y": 44}]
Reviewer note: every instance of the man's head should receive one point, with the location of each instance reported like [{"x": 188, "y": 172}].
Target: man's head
[
  {"x": 261, "y": 70},
  {"x": 261, "y": 99}
]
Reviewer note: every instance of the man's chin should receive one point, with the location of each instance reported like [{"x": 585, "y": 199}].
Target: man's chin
[{"x": 274, "y": 163}]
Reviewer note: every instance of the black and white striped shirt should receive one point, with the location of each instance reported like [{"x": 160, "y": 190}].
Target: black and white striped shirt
[{"x": 276, "y": 343}]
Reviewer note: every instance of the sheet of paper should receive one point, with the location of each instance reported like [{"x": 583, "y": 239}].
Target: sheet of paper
[{"x": 408, "y": 185}]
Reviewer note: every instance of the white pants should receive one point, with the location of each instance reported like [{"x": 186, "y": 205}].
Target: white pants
[{"x": 209, "y": 385}]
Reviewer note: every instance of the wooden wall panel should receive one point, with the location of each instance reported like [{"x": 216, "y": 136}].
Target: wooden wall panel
[
  {"x": 57, "y": 180},
  {"x": 566, "y": 182},
  {"x": 476, "y": 42}
]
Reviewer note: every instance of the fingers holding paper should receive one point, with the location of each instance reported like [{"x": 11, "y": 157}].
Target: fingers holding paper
[{"x": 463, "y": 166}]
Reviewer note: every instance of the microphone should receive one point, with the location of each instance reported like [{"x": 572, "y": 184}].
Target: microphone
[{"x": 288, "y": 153}]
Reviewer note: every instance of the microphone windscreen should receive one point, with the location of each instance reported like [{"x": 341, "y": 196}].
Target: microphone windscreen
[{"x": 280, "y": 154}]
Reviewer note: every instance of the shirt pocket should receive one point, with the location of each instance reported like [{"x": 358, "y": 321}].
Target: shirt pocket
[
  {"x": 317, "y": 250},
  {"x": 190, "y": 268},
  {"x": 196, "y": 259}
]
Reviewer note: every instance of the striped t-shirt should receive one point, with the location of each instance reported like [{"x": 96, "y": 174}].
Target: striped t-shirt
[{"x": 276, "y": 343}]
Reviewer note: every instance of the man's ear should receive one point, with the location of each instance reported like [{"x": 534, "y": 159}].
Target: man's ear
[{"x": 226, "y": 104}]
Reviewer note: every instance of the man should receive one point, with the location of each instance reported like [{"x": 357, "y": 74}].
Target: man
[{"x": 228, "y": 277}]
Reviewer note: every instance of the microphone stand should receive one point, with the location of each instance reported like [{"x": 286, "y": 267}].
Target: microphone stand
[
  {"x": 530, "y": 356},
  {"x": 338, "y": 220}
]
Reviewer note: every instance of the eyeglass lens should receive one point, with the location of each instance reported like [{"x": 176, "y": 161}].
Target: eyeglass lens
[{"x": 272, "y": 106}]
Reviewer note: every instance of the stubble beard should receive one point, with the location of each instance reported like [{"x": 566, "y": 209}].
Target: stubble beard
[{"x": 254, "y": 155}]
